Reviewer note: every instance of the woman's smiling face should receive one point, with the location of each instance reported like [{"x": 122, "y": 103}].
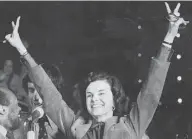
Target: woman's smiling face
[{"x": 99, "y": 98}]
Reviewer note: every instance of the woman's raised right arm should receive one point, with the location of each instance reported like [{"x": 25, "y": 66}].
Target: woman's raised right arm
[{"x": 55, "y": 106}]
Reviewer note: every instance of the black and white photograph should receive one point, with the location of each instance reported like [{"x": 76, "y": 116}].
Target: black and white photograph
[{"x": 95, "y": 70}]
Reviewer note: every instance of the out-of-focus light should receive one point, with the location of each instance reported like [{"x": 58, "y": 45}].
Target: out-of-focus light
[
  {"x": 99, "y": 21},
  {"x": 179, "y": 100},
  {"x": 139, "y": 81},
  {"x": 178, "y": 56},
  {"x": 179, "y": 78},
  {"x": 139, "y": 55},
  {"x": 178, "y": 35},
  {"x": 139, "y": 27}
]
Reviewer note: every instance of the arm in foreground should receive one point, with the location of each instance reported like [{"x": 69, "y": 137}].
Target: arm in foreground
[
  {"x": 55, "y": 106},
  {"x": 148, "y": 99}
]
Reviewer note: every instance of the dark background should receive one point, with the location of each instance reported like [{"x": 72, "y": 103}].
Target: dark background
[{"x": 83, "y": 36}]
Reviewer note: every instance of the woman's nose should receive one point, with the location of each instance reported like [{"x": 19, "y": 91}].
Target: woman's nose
[{"x": 95, "y": 98}]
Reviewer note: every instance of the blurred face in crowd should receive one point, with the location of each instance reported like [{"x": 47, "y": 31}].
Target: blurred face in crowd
[
  {"x": 99, "y": 99},
  {"x": 8, "y": 67},
  {"x": 33, "y": 95},
  {"x": 11, "y": 116},
  {"x": 76, "y": 94}
]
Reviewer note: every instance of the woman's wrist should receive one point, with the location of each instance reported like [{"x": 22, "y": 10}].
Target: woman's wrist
[
  {"x": 22, "y": 50},
  {"x": 167, "y": 45},
  {"x": 169, "y": 38}
]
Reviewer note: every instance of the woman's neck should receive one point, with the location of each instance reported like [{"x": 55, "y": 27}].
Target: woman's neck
[{"x": 104, "y": 117}]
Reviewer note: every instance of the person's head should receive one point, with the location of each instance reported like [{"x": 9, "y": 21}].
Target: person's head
[
  {"x": 55, "y": 75},
  {"x": 76, "y": 96},
  {"x": 103, "y": 95},
  {"x": 30, "y": 88},
  {"x": 9, "y": 110},
  {"x": 8, "y": 66}
]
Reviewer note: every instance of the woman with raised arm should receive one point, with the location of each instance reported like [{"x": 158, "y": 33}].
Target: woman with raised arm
[{"x": 101, "y": 117}]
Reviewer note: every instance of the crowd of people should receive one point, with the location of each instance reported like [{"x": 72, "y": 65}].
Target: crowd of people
[{"x": 103, "y": 112}]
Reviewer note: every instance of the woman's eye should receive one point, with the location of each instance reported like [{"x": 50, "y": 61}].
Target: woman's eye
[
  {"x": 101, "y": 94},
  {"x": 31, "y": 90},
  {"x": 89, "y": 95}
]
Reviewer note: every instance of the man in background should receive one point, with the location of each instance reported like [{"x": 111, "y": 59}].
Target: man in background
[
  {"x": 11, "y": 80},
  {"x": 9, "y": 112}
]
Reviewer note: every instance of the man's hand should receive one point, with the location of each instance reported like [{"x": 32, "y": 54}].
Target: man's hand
[
  {"x": 14, "y": 38},
  {"x": 174, "y": 22}
]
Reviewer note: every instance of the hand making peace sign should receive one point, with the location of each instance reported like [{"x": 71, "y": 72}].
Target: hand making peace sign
[{"x": 174, "y": 20}]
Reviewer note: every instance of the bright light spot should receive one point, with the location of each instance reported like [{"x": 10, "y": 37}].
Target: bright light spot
[
  {"x": 178, "y": 35},
  {"x": 139, "y": 27},
  {"x": 139, "y": 55},
  {"x": 179, "y": 100},
  {"x": 178, "y": 56},
  {"x": 179, "y": 78},
  {"x": 139, "y": 81},
  {"x": 25, "y": 123}
]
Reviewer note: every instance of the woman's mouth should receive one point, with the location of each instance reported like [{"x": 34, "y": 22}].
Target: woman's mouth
[{"x": 97, "y": 105}]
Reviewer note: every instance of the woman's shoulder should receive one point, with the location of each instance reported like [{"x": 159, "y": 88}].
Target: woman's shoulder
[{"x": 80, "y": 127}]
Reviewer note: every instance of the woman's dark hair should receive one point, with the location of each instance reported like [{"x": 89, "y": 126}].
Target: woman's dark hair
[{"x": 116, "y": 88}]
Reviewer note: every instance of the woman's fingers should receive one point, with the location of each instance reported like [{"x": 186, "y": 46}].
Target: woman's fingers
[
  {"x": 176, "y": 10},
  {"x": 168, "y": 8},
  {"x": 13, "y": 25},
  {"x": 8, "y": 37},
  {"x": 17, "y": 24}
]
